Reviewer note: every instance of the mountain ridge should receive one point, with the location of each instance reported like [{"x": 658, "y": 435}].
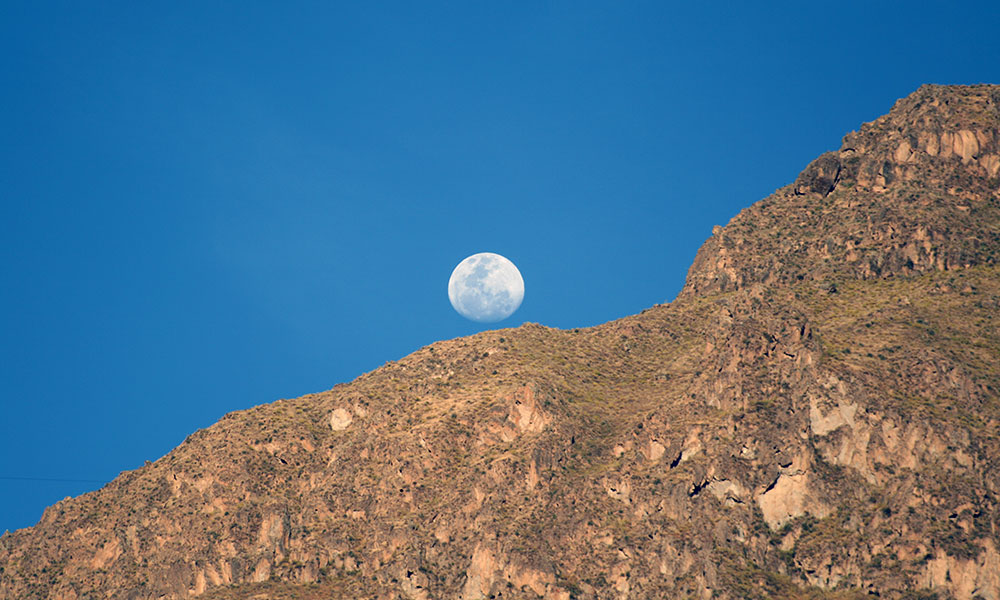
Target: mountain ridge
[{"x": 813, "y": 416}]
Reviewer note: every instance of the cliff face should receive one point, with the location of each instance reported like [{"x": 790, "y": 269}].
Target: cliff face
[{"x": 816, "y": 415}]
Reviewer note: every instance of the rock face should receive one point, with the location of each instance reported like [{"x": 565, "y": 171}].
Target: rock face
[
  {"x": 911, "y": 192},
  {"x": 816, "y": 415}
]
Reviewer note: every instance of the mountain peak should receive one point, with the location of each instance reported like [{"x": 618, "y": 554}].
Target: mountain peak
[{"x": 890, "y": 202}]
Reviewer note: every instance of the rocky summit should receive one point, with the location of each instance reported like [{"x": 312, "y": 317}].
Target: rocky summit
[{"x": 815, "y": 416}]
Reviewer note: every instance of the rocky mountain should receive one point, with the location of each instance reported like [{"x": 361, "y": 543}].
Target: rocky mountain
[{"x": 815, "y": 416}]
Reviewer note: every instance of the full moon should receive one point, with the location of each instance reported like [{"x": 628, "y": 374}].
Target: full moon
[{"x": 486, "y": 287}]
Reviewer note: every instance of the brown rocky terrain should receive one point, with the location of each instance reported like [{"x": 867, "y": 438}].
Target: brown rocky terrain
[{"x": 815, "y": 416}]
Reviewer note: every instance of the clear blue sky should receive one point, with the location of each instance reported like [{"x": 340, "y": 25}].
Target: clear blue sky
[{"x": 209, "y": 206}]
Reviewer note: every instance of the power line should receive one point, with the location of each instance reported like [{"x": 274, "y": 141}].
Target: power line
[{"x": 59, "y": 479}]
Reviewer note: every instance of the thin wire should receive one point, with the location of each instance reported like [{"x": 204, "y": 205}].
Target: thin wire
[{"x": 51, "y": 479}]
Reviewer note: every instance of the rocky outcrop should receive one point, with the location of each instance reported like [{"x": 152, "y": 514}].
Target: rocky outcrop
[{"x": 914, "y": 191}]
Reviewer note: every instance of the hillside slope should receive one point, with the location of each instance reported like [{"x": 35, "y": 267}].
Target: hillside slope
[{"x": 815, "y": 416}]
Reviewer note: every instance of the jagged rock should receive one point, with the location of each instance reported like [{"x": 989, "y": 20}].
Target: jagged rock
[{"x": 791, "y": 497}]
